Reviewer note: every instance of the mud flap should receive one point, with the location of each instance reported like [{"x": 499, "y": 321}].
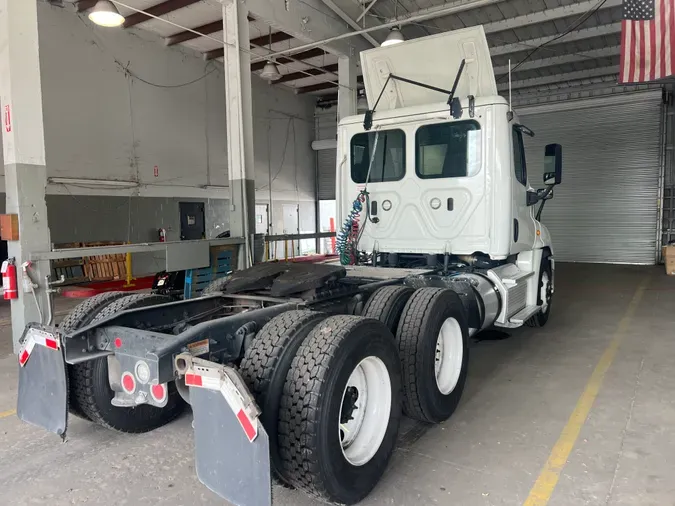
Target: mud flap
[
  {"x": 43, "y": 387},
  {"x": 226, "y": 461},
  {"x": 232, "y": 455}
]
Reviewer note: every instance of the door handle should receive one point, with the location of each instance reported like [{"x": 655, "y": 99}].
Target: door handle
[{"x": 373, "y": 207}]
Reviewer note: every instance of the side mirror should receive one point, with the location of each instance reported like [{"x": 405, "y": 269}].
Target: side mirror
[{"x": 553, "y": 164}]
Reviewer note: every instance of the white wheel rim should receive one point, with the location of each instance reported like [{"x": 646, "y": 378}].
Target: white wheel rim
[
  {"x": 449, "y": 356},
  {"x": 543, "y": 294},
  {"x": 362, "y": 434}
]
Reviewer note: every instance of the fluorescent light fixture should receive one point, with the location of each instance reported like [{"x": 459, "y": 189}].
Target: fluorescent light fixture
[
  {"x": 104, "y": 13},
  {"x": 394, "y": 37},
  {"x": 92, "y": 182}
]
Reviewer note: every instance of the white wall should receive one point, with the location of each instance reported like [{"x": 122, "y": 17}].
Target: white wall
[{"x": 102, "y": 123}]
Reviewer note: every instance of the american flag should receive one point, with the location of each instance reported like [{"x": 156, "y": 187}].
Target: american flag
[{"x": 647, "y": 40}]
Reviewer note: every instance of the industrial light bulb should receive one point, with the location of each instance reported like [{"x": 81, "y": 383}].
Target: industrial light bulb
[
  {"x": 270, "y": 72},
  {"x": 105, "y": 13},
  {"x": 394, "y": 37}
]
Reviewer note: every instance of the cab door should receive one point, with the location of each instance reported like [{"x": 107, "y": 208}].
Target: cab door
[{"x": 523, "y": 226}]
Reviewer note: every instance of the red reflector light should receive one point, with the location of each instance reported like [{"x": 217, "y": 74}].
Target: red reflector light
[
  {"x": 158, "y": 392},
  {"x": 118, "y": 342},
  {"x": 50, "y": 343},
  {"x": 24, "y": 357},
  {"x": 193, "y": 380},
  {"x": 128, "y": 383}
]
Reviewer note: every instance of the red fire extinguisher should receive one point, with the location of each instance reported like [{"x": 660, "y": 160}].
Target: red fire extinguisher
[
  {"x": 9, "y": 279},
  {"x": 162, "y": 235}
]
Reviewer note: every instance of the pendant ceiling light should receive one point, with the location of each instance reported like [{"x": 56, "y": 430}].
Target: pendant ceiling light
[
  {"x": 394, "y": 37},
  {"x": 104, "y": 13},
  {"x": 270, "y": 71}
]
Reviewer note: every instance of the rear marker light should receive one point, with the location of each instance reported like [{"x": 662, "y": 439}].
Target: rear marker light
[
  {"x": 128, "y": 383},
  {"x": 24, "y": 357},
  {"x": 50, "y": 343},
  {"x": 118, "y": 342},
  {"x": 158, "y": 392}
]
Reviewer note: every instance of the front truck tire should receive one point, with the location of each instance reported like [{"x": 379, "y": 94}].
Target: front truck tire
[
  {"x": 81, "y": 316},
  {"x": 91, "y": 388},
  {"x": 433, "y": 343},
  {"x": 265, "y": 366},
  {"x": 387, "y": 304},
  {"x": 544, "y": 292},
  {"x": 340, "y": 410}
]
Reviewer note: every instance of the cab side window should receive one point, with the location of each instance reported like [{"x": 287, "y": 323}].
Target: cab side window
[{"x": 519, "y": 156}]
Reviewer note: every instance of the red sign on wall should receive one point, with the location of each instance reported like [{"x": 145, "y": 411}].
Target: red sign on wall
[{"x": 8, "y": 119}]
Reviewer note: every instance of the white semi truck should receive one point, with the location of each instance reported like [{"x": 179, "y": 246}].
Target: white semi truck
[{"x": 300, "y": 372}]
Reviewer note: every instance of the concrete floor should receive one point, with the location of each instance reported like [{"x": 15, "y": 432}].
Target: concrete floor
[{"x": 519, "y": 396}]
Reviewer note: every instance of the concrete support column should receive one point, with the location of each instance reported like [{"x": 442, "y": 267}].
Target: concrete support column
[
  {"x": 24, "y": 151},
  {"x": 239, "y": 114},
  {"x": 347, "y": 90}
]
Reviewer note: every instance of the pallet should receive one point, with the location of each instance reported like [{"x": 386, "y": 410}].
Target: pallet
[
  {"x": 72, "y": 269},
  {"x": 223, "y": 261},
  {"x": 105, "y": 267}
]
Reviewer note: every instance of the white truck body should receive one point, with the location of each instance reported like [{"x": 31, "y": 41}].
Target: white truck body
[{"x": 439, "y": 184}]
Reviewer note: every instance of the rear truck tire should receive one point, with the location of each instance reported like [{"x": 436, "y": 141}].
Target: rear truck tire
[
  {"x": 91, "y": 387},
  {"x": 81, "y": 316},
  {"x": 215, "y": 286},
  {"x": 266, "y": 364},
  {"x": 433, "y": 343},
  {"x": 544, "y": 292},
  {"x": 340, "y": 410},
  {"x": 387, "y": 304}
]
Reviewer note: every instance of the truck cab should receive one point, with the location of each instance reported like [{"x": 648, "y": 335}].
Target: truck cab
[
  {"x": 436, "y": 175},
  {"x": 437, "y": 183}
]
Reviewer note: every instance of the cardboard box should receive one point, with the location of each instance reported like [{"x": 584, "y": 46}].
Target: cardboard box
[{"x": 669, "y": 259}]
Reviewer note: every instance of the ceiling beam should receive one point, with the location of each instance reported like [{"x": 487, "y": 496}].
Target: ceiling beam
[
  {"x": 157, "y": 10},
  {"x": 561, "y": 78},
  {"x": 547, "y": 15},
  {"x": 605, "y": 52},
  {"x": 263, "y": 40},
  {"x": 322, "y": 86},
  {"x": 345, "y": 17},
  {"x": 305, "y": 55},
  {"x": 206, "y": 29},
  {"x": 306, "y": 73},
  {"x": 305, "y": 22},
  {"x": 586, "y": 33}
]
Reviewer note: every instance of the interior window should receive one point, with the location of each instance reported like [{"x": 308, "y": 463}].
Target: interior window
[
  {"x": 388, "y": 160},
  {"x": 519, "y": 156},
  {"x": 448, "y": 150}
]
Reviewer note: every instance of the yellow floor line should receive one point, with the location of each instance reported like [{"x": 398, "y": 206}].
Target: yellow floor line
[
  {"x": 548, "y": 478},
  {"x": 5, "y": 414}
]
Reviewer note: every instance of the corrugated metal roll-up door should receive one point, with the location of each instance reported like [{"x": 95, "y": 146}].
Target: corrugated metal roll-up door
[
  {"x": 326, "y": 128},
  {"x": 606, "y": 209},
  {"x": 326, "y": 160}
]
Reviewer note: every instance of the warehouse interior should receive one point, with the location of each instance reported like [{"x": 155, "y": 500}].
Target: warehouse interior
[{"x": 197, "y": 124}]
